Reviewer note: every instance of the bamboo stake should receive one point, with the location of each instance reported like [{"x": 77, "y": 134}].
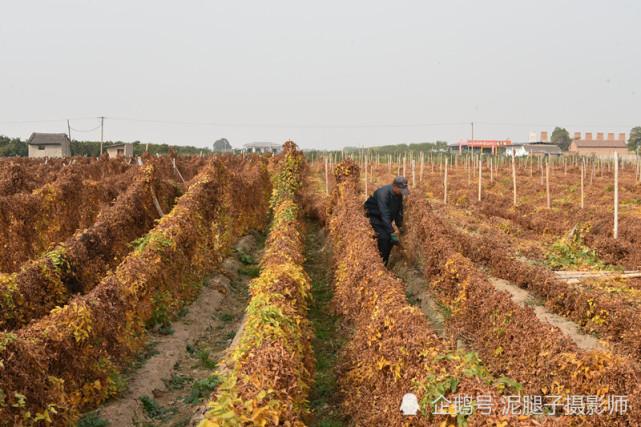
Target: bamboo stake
[
  {"x": 541, "y": 168},
  {"x": 547, "y": 182},
  {"x": 413, "y": 173},
  {"x": 366, "y": 193},
  {"x": 616, "y": 195},
  {"x": 513, "y": 178},
  {"x": 445, "y": 184},
  {"x": 480, "y": 176},
  {"x": 491, "y": 171},
  {"x": 326, "y": 177},
  {"x": 173, "y": 162},
  {"x": 582, "y": 179}
]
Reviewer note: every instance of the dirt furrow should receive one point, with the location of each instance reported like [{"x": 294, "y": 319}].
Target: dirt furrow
[{"x": 168, "y": 384}]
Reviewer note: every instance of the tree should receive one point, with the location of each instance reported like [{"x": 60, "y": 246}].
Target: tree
[
  {"x": 634, "y": 141},
  {"x": 10, "y": 147},
  {"x": 561, "y": 137},
  {"x": 222, "y": 145}
]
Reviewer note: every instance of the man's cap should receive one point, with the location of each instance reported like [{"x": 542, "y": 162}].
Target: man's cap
[{"x": 401, "y": 182}]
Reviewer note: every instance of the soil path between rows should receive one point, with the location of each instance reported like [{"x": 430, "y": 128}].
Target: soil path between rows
[
  {"x": 568, "y": 327},
  {"x": 176, "y": 376},
  {"x": 328, "y": 338}
]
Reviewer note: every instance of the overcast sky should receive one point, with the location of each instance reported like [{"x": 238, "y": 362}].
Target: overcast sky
[{"x": 324, "y": 73}]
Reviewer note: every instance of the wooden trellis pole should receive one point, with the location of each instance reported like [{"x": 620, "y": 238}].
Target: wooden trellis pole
[
  {"x": 547, "y": 182},
  {"x": 541, "y": 168},
  {"x": 326, "y": 176},
  {"x": 445, "y": 184},
  {"x": 366, "y": 193},
  {"x": 513, "y": 179},
  {"x": 616, "y": 195},
  {"x": 491, "y": 171},
  {"x": 582, "y": 179},
  {"x": 413, "y": 173},
  {"x": 480, "y": 176}
]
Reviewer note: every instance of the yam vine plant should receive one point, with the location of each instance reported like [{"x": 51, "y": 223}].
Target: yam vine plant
[
  {"x": 609, "y": 309},
  {"x": 509, "y": 338},
  {"x": 77, "y": 264},
  {"x": 24, "y": 175},
  {"x": 71, "y": 359},
  {"x": 268, "y": 373},
  {"x": 31, "y": 222},
  {"x": 391, "y": 349}
]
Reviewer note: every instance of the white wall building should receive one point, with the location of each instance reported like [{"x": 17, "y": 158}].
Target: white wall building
[
  {"x": 49, "y": 145},
  {"x": 262, "y": 147},
  {"x": 120, "y": 150}
]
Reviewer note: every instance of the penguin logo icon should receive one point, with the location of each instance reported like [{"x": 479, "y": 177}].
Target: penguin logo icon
[{"x": 409, "y": 404}]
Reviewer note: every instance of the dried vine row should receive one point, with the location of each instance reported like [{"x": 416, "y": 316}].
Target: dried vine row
[
  {"x": 510, "y": 339},
  {"x": 392, "y": 349},
  {"x": 70, "y": 359},
  {"x": 77, "y": 264},
  {"x": 626, "y": 250},
  {"x": 29, "y": 223},
  {"x": 613, "y": 315},
  {"x": 20, "y": 175},
  {"x": 272, "y": 366}
]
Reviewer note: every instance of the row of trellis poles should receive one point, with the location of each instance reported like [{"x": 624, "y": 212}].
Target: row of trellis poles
[{"x": 474, "y": 165}]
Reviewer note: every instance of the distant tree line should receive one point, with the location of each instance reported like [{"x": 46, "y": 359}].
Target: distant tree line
[
  {"x": 384, "y": 150},
  {"x": 402, "y": 148},
  {"x": 10, "y": 147},
  {"x": 634, "y": 141}
]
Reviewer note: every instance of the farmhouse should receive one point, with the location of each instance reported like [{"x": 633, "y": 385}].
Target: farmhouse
[
  {"x": 120, "y": 150},
  {"x": 49, "y": 145},
  {"x": 262, "y": 147},
  {"x": 599, "y": 147},
  {"x": 533, "y": 149}
]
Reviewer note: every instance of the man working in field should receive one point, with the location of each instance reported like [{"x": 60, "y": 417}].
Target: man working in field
[{"x": 384, "y": 206}]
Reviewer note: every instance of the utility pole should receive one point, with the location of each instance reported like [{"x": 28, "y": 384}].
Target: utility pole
[
  {"x": 472, "y": 124},
  {"x": 102, "y": 132},
  {"x": 68, "y": 130}
]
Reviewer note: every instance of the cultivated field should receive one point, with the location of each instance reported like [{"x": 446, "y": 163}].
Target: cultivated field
[{"x": 247, "y": 290}]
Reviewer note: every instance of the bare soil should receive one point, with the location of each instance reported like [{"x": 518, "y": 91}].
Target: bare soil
[
  {"x": 171, "y": 385},
  {"x": 417, "y": 292},
  {"x": 569, "y": 328}
]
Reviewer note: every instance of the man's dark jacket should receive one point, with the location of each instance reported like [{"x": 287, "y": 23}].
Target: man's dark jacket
[{"x": 384, "y": 206}]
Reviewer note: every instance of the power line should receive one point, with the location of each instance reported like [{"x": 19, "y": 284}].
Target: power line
[
  {"x": 86, "y": 130},
  {"x": 312, "y": 125},
  {"x": 11, "y": 122},
  {"x": 286, "y": 125},
  {"x": 102, "y": 132}
]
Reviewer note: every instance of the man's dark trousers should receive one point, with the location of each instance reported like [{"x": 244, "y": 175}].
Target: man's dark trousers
[{"x": 383, "y": 237}]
